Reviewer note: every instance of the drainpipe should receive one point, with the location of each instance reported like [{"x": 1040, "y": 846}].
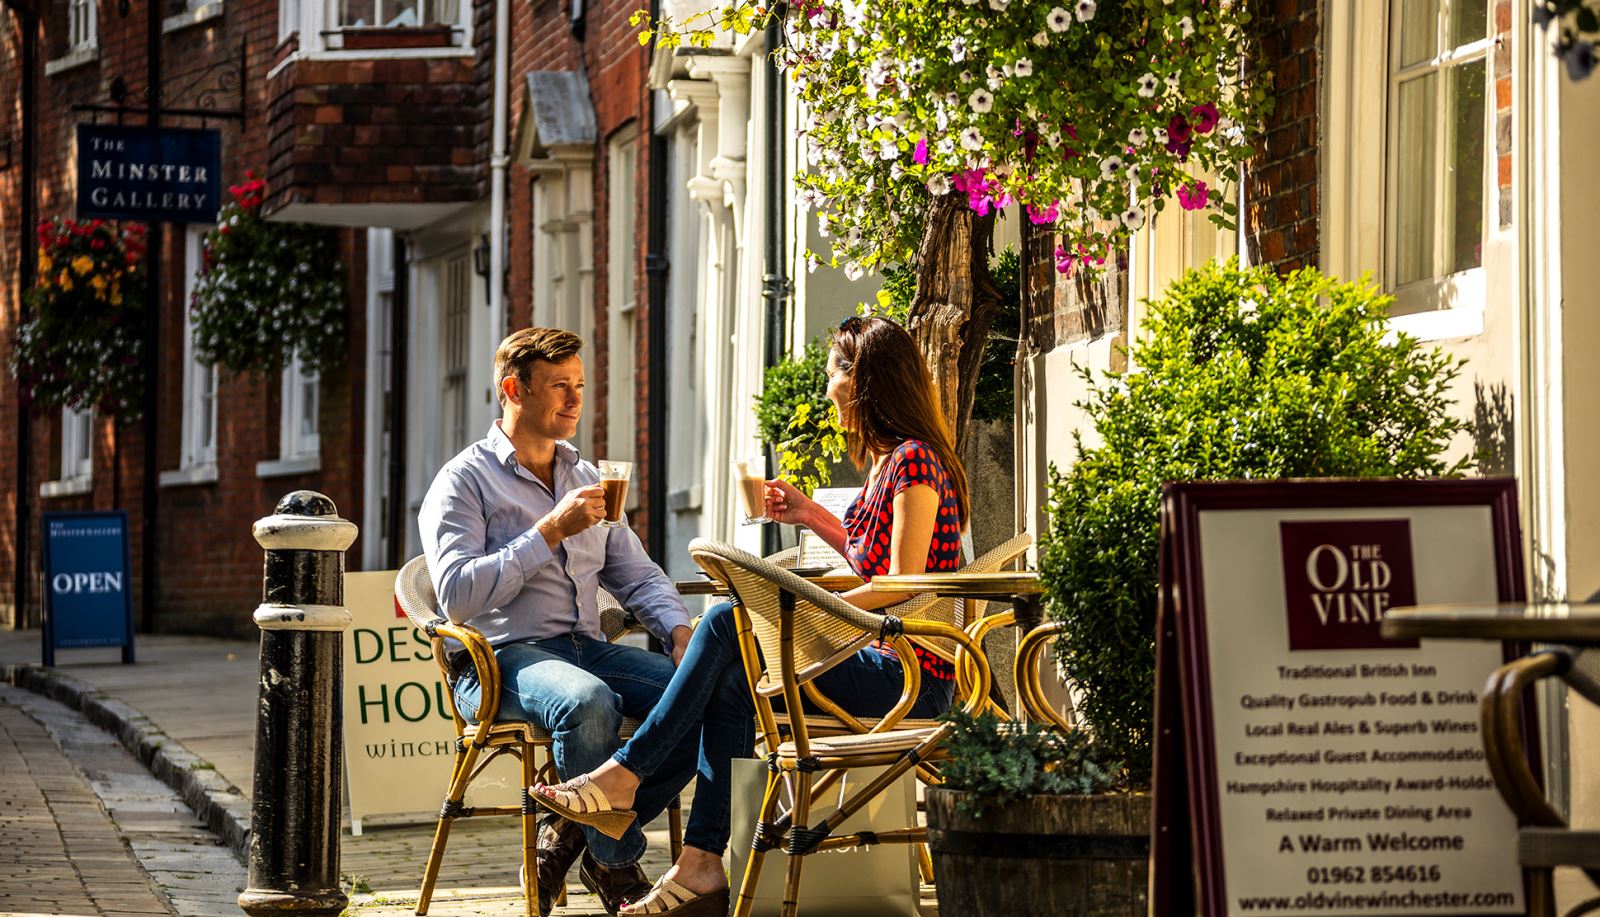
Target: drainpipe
[
  {"x": 498, "y": 161},
  {"x": 775, "y": 281},
  {"x": 655, "y": 269},
  {"x": 22, "y": 532},
  {"x": 399, "y": 363}
]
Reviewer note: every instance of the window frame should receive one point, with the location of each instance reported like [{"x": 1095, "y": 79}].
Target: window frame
[
  {"x": 196, "y": 455},
  {"x": 83, "y": 27},
  {"x": 1443, "y": 289},
  {"x": 621, "y": 229}
]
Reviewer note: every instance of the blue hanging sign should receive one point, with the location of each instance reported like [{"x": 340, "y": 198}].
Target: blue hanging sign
[
  {"x": 88, "y": 594},
  {"x": 152, "y": 174}
]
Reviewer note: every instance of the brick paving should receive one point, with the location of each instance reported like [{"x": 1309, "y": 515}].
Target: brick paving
[{"x": 64, "y": 854}]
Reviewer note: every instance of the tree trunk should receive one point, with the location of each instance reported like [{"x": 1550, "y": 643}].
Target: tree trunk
[{"x": 955, "y": 303}]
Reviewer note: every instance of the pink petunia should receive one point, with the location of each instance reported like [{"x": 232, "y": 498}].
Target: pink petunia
[
  {"x": 920, "y": 155},
  {"x": 1040, "y": 217},
  {"x": 1193, "y": 196},
  {"x": 1065, "y": 261},
  {"x": 1178, "y": 131},
  {"x": 1205, "y": 117}
]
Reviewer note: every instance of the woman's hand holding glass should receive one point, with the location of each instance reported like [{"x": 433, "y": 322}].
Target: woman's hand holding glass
[{"x": 786, "y": 504}]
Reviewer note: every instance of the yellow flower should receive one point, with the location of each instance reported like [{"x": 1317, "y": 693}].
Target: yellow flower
[
  {"x": 82, "y": 264},
  {"x": 116, "y": 296},
  {"x": 99, "y": 283},
  {"x": 66, "y": 283},
  {"x": 45, "y": 264}
]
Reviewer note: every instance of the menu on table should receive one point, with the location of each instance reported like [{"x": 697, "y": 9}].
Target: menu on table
[{"x": 1329, "y": 770}]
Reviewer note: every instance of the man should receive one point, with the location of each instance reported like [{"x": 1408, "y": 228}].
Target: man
[{"x": 508, "y": 527}]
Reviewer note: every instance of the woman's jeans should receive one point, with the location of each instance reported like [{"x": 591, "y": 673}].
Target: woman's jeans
[
  {"x": 709, "y": 700},
  {"x": 579, "y": 689}
]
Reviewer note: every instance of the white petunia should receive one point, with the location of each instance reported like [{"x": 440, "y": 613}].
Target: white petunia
[
  {"x": 1110, "y": 166},
  {"x": 811, "y": 262},
  {"x": 946, "y": 146},
  {"x": 1248, "y": 311},
  {"x": 853, "y": 271},
  {"x": 915, "y": 66},
  {"x": 958, "y": 49},
  {"x": 1133, "y": 217},
  {"x": 1023, "y": 67},
  {"x": 1085, "y": 10},
  {"x": 1041, "y": 39},
  {"x": 1147, "y": 85},
  {"x": 981, "y": 101},
  {"x": 971, "y": 139},
  {"x": 1058, "y": 20},
  {"x": 1172, "y": 82},
  {"x": 999, "y": 6},
  {"x": 939, "y": 185},
  {"x": 966, "y": 76},
  {"x": 822, "y": 224},
  {"x": 1160, "y": 134},
  {"x": 887, "y": 150},
  {"x": 1186, "y": 26},
  {"x": 1137, "y": 137}
]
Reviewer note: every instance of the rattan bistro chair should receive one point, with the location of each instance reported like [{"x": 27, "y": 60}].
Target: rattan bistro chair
[
  {"x": 801, "y": 631},
  {"x": 522, "y": 740}
]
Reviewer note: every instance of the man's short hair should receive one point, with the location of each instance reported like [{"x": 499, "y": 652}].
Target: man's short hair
[{"x": 517, "y": 353}]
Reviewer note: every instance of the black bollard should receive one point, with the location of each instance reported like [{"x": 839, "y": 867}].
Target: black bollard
[{"x": 294, "y": 813}]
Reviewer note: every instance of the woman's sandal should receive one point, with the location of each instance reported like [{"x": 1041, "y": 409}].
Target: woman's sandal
[
  {"x": 581, "y": 801},
  {"x": 669, "y": 899}
]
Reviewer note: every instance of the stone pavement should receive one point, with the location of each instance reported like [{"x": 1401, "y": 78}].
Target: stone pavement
[
  {"x": 87, "y": 830},
  {"x": 186, "y": 709}
]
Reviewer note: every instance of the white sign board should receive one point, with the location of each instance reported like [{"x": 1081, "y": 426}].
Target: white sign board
[
  {"x": 399, "y": 740},
  {"x": 1329, "y": 770}
]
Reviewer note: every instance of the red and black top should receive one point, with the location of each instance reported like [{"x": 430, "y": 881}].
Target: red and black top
[{"x": 870, "y": 518}]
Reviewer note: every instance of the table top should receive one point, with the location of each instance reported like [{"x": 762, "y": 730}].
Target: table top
[
  {"x": 833, "y": 581},
  {"x": 970, "y": 585},
  {"x": 1532, "y": 622}
]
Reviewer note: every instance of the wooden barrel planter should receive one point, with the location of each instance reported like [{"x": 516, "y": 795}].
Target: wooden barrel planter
[{"x": 1045, "y": 855}]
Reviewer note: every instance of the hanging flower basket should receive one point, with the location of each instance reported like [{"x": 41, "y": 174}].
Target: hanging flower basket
[
  {"x": 82, "y": 343},
  {"x": 267, "y": 292},
  {"x": 1091, "y": 116}
]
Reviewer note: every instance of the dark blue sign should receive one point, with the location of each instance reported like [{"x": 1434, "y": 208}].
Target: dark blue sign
[
  {"x": 88, "y": 593},
  {"x": 154, "y": 174}
]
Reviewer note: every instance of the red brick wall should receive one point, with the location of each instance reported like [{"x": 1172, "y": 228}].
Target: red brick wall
[
  {"x": 1281, "y": 195},
  {"x": 615, "y": 64},
  {"x": 209, "y": 566}
]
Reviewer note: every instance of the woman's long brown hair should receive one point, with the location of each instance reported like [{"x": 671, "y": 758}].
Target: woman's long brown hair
[{"x": 893, "y": 398}]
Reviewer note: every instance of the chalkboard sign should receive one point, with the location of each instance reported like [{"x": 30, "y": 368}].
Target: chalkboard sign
[
  {"x": 1304, "y": 764},
  {"x": 170, "y": 174},
  {"x": 88, "y": 594}
]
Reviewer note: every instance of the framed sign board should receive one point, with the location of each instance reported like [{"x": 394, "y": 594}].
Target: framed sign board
[
  {"x": 1304, "y": 764},
  {"x": 88, "y": 594}
]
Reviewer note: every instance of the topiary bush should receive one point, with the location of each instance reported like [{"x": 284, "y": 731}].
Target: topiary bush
[{"x": 1239, "y": 374}]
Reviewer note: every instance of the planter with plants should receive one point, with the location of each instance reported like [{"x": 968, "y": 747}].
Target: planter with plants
[
  {"x": 81, "y": 342},
  {"x": 1030, "y": 820},
  {"x": 267, "y": 292}
]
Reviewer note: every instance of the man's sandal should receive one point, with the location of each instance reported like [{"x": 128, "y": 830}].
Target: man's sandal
[
  {"x": 581, "y": 801},
  {"x": 669, "y": 899}
]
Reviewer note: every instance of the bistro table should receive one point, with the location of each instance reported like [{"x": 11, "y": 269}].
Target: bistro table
[
  {"x": 1023, "y": 590},
  {"x": 835, "y": 580},
  {"x": 1544, "y": 840}
]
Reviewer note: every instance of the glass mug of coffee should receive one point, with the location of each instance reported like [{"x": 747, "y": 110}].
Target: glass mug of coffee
[
  {"x": 750, "y": 473},
  {"x": 614, "y": 481}
]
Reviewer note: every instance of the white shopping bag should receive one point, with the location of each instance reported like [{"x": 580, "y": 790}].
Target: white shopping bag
[{"x": 872, "y": 881}]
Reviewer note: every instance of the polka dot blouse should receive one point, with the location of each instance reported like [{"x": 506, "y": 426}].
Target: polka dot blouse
[{"x": 870, "y": 518}]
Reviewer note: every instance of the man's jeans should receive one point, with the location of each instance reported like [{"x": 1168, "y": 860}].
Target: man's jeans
[{"x": 579, "y": 689}]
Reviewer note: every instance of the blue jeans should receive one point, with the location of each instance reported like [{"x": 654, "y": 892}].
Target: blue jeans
[
  {"x": 579, "y": 689},
  {"x": 708, "y": 701}
]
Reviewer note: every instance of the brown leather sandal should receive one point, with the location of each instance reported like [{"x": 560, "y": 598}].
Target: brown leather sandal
[
  {"x": 581, "y": 801},
  {"x": 669, "y": 899}
]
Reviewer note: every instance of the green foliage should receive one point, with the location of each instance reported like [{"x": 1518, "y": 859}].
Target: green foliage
[
  {"x": 996, "y": 397},
  {"x": 1241, "y": 374},
  {"x": 997, "y": 763},
  {"x": 267, "y": 292},
  {"x": 796, "y": 418}
]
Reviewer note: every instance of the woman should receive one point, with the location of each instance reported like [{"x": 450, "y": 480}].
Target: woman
[{"x": 908, "y": 518}]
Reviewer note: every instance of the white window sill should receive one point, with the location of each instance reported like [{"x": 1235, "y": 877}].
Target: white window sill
[
  {"x": 71, "y": 487},
  {"x": 192, "y": 16},
  {"x": 72, "y": 59},
  {"x": 194, "y": 474},
  {"x": 278, "y": 468},
  {"x": 459, "y": 51},
  {"x": 687, "y": 500}
]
